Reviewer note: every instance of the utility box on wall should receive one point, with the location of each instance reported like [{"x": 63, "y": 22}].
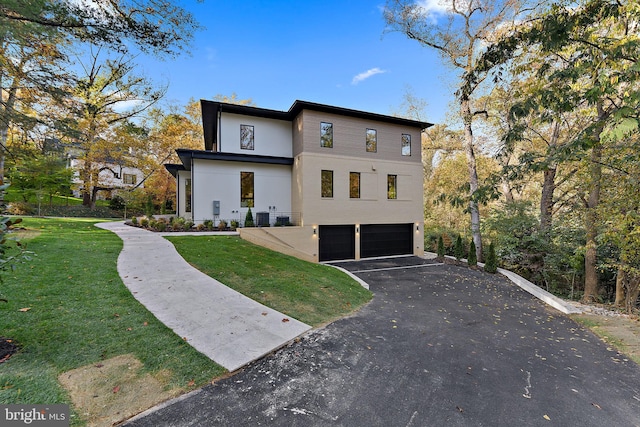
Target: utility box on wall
[{"x": 216, "y": 207}]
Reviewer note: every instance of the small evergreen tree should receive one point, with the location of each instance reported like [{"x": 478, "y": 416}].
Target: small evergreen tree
[
  {"x": 491, "y": 264},
  {"x": 458, "y": 249},
  {"x": 248, "y": 220},
  {"x": 440, "y": 247},
  {"x": 472, "y": 259}
]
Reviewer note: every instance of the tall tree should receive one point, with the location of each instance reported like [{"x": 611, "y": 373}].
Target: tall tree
[
  {"x": 596, "y": 41},
  {"x": 106, "y": 98},
  {"x": 155, "y": 26},
  {"x": 459, "y": 35}
]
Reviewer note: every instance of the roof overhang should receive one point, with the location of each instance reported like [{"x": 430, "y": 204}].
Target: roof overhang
[
  {"x": 173, "y": 169},
  {"x": 187, "y": 155}
]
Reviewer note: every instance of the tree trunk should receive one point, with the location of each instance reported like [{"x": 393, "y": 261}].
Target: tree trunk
[
  {"x": 621, "y": 279},
  {"x": 549, "y": 184},
  {"x": 506, "y": 189},
  {"x": 474, "y": 211},
  {"x": 591, "y": 284},
  {"x": 546, "y": 199},
  {"x": 633, "y": 291}
]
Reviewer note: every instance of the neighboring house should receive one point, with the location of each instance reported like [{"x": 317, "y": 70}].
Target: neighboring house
[
  {"x": 111, "y": 177},
  {"x": 350, "y": 182}
]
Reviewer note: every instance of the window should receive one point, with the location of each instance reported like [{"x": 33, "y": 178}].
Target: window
[
  {"x": 392, "y": 189},
  {"x": 372, "y": 140},
  {"x": 327, "y": 183},
  {"x": 187, "y": 195},
  {"x": 246, "y": 189},
  {"x": 129, "y": 178},
  {"x": 326, "y": 135},
  {"x": 354, "y": 185},
  {"x": 406, "y": 144},
  {"x": 246, "y": 137}
]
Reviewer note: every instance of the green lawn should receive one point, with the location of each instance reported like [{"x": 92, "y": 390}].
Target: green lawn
[
  {"x": 80, "y": 313},
  {"x": 68, "y": 307},
  {"x": 312, "y": 293}
]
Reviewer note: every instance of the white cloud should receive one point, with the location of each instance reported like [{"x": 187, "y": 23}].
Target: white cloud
[
  {"x": 122, "y": 106},
  {"x": 435, "y": 7},
  {"x": 363, "y": 76}
]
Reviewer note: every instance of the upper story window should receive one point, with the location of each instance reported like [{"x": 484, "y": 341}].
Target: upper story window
[
  {"x": 327, "y": 183},
  {"x": 326, "y": 135},
  {"x": 406, "y": 144},
  {"x": 372, "y": 140},
  {"x": 129, "y": 178},
  {"x": 392, "y": 189},
  {"x": 246, "y": 137},
  {"x": 354, "y": 185}
]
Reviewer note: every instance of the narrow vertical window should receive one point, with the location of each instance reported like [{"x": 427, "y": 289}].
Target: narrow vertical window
[
  {"x": 246, "y": 190},
  {"x": 187, "y": 195},
  {"x": 354, "y": 185},
  {"x": 326, "y": 135},
  {"x": 406, "y": 144},
  {"x": 246, "y": 137},
  {"x": 372, "y": 140},
  {"x": 392, "y": 189},
  {"x": 327, "y": 183}
]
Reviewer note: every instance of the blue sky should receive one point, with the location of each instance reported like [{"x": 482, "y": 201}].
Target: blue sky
[{"x": 329, "y": 51}]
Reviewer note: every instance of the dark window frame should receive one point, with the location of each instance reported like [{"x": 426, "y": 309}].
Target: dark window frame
[
  {"x": 326, "y": 135},
  {"x": 326, "y": 184},
  {"x": 354, "y": 191},
  {"x": 371, "y": 140},
  {"x": 392, "y": 187},
  {"x": 247, "y": 137},
  {"x": 187, "y": 195},
  {"x": 247, "y": 195},
  {"x": 406, "y": 144}
]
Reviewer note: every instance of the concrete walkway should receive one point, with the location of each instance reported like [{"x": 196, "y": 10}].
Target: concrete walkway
[{"x": 221, "y": 323}]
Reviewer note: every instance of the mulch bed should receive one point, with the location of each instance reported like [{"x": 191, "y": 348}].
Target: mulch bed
[{"x": 7, "y": 348}]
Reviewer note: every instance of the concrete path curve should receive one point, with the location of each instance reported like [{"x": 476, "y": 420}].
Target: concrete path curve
[{"x": 221, "y": 323}]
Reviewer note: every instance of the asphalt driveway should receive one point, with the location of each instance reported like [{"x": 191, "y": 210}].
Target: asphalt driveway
[{"x": 439, "y": 345}]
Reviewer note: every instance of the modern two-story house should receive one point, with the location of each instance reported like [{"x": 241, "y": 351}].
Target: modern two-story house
[{"x": 348, "y": 183}]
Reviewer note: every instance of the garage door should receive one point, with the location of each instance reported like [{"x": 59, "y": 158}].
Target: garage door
[
  {"x": 337, "y": 242},
  {"x": 385, "y": 240}
]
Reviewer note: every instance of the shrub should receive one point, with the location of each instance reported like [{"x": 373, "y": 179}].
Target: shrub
[
  {"x": 117, "y": 203},
  {"x": 440, "y": 247},
  {"x": 234, "y": 224},
  {"x": 472, "y": 259},
  {"x": 222, "y": 225},
  {"x": 201, "y": 227},
  {"x": 144, "y": 222},
  {"x": 188, "y": 225},
  {"x": 20, "y": 208},
  {"x": 248, "y": 220},
  {"x": 153, "y": 224},
  {"x": 134, "y": 220},
  {"x": 458, "y": 250},
  {"x": 491, "y": 264},
  {"x": 162, "y": 226},
  {"x": 208, "y": 224}
]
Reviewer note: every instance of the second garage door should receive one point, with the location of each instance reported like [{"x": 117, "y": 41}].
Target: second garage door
[{"x": 386, "y": 240}]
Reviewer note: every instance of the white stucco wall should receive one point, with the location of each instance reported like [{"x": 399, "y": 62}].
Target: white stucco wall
[
  {"x": 220, "y": 180},
  {"x": 271, "y": 137}
]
